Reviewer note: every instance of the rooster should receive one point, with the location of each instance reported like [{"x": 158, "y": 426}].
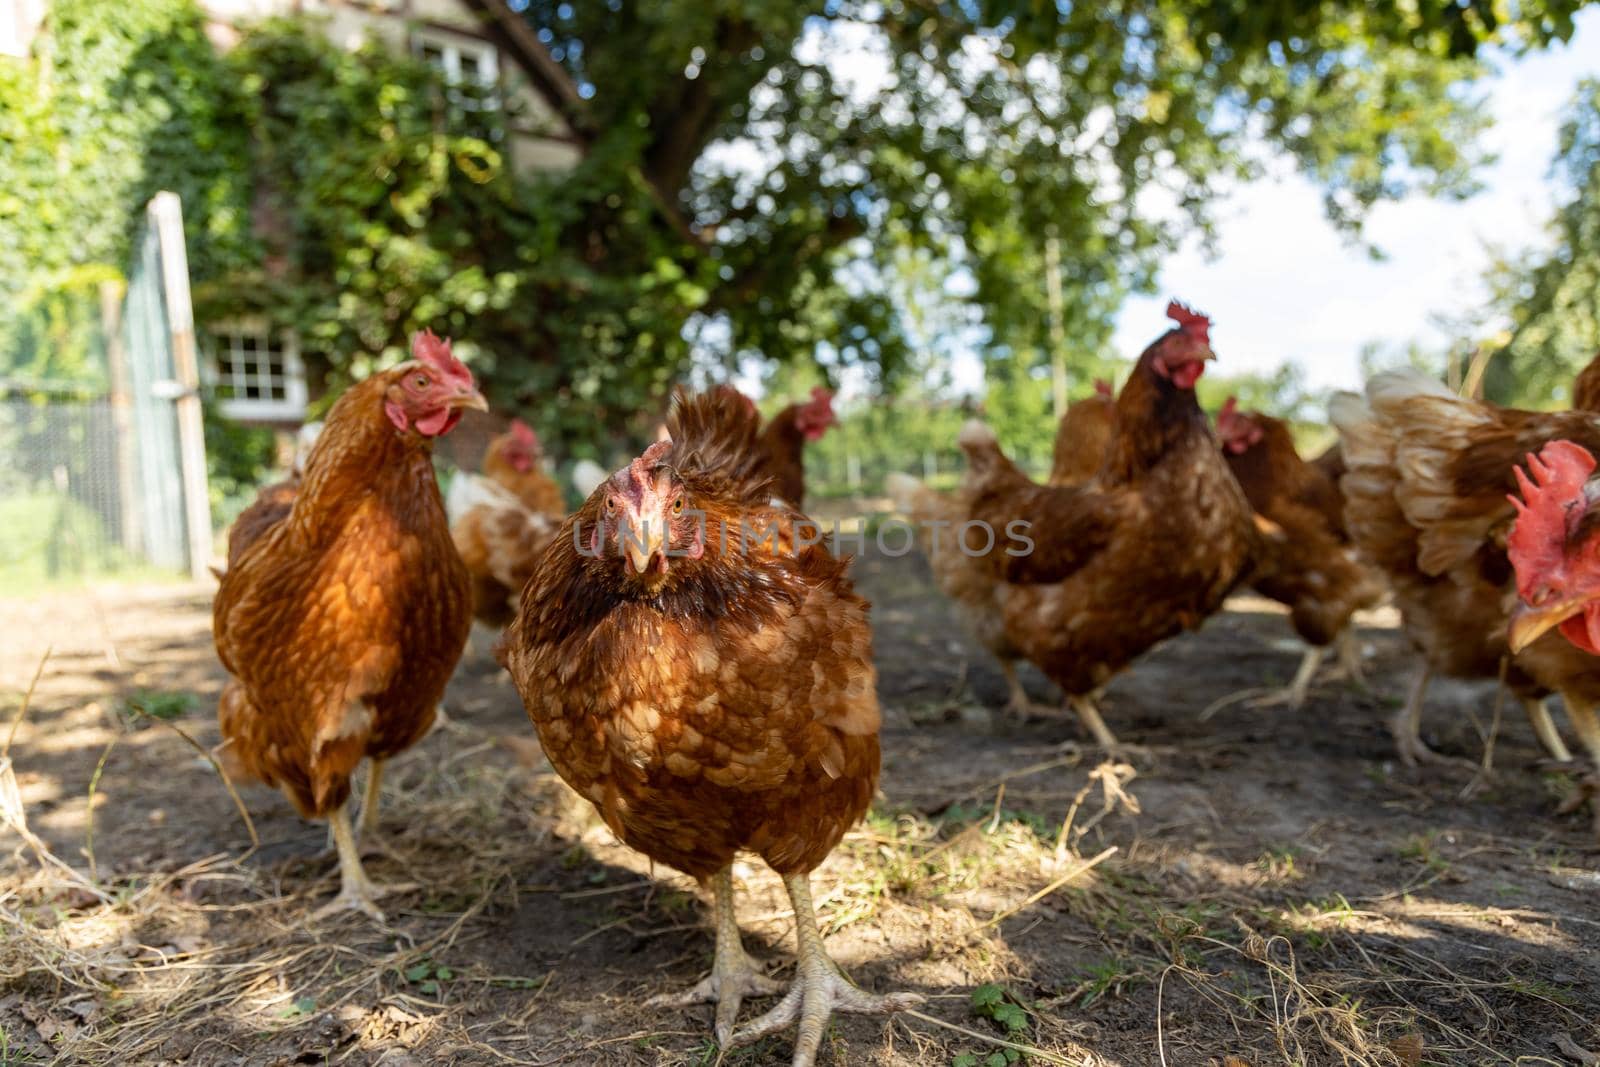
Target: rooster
[
  {"x": 1146, "y": 549},
  {"x": 341, "y": 621},
  {"x": 502, "y": 521},
  {"x": 1312, "y": 569},
  {"x": 1553, "y": 548},
  {"x": 1428, "y": 473},
  {"x": 710, "y": 689}
]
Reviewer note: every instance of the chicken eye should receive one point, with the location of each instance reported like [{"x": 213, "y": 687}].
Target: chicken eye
[
  {"x": 677, "y": 506},
  {"x": 611, "y": 504},
  {"x": 420, "y": 381}
]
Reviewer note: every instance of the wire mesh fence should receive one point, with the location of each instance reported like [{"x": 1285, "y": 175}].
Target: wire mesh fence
[
  {"x": 61, "y": 508},
  {"x": 98, "y": 475}
]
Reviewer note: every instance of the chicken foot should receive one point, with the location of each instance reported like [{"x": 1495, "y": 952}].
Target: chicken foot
[
  {"x": 1019, "y": 704},
  {"x": 1294, "y": 697},
  {"x": 356, "y": 890},
  {"x": 819, "y": 988},
  {"x": 733, "y": 976},
  {"x": 1406, "y": 726}
]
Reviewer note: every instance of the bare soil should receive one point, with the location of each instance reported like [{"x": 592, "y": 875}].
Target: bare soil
[{"x": 1281, "y": 892}]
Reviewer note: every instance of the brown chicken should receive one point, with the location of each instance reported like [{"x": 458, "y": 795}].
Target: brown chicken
[
  {"x": 709, "y": 689},
  {"x": 1084, "y": 437},
  {"x": 1426, "y": 494},
  {"x": 503, "y": 521},
  {"x": 515, "y": 460},
  {"x": 784, "y": 439},
  {"x": 1095, "y": 575},
  {"x": 935, "y": 517},
  {"x": 342, "y": 621},
  {"x": 1312, "y": 569}
]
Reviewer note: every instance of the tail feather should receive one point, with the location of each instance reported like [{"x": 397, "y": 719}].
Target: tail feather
[{"x": 1431, "y": 427}]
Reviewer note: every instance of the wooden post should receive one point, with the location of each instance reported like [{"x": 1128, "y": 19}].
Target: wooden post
[
  {"x": 128, "y": 504},
  {"x": 1058, "y": 329},
  {"x": 166, "y": 217}
]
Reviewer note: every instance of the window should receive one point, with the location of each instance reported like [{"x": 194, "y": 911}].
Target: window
[
  {"x": 465, "y": 62},
  {"x": 257, "y": 374}
]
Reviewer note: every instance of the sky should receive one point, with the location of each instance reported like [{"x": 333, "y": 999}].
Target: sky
[{"x": 1285, "y": 287}]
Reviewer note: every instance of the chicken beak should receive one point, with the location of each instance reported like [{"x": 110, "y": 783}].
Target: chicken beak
[
  {"x": 468, "y": 398},
  {"x": 1528, "y": 624},
  {"x": 641, "y": 543}
]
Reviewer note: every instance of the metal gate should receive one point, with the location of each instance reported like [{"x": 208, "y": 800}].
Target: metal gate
[
  {"x": 102, "y": 455},
  {"x": 168, "y": 505}
]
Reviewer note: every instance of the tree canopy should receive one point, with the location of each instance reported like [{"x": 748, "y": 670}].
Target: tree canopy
[
  {"x": 1550, "y": 298},
  {"x": 755, "y": 176}
]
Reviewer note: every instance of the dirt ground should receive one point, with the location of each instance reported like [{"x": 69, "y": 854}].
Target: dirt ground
[{"x": 1271, "y": 887}]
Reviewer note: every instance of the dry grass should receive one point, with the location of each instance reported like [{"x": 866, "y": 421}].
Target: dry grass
[{"x": 1099, "y": 910}]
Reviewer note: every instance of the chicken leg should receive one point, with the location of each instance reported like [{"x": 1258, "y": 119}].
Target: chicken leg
[
  {"x": 1349, "y": 650},
  {"x": 819, "y": 988},
  {"x": 1587, "y": 726},
  {"x": 1544, "y": 728},
  {"x": 371, "y": 799},
  {"x": 356, "y": 891},
  {"x": 734, "y": 975},
  {"x": 1089, "y": 715}
]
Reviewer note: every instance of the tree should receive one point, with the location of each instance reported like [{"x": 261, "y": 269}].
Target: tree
[
  {"x": 743, "y": 191},
  {"x": 783, "y": 182},
  {"x": 1552, "y": 298}
]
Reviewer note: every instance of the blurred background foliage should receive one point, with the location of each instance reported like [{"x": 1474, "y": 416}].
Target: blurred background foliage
[{"x": 743, "y": 201}]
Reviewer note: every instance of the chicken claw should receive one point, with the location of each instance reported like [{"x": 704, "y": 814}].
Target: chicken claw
[
  {"x": 1018, "y": 704},
  {"x": 819, "y": 989},
  {"x": 356, "y": 890},
  {"x": 733, "y": 976}
]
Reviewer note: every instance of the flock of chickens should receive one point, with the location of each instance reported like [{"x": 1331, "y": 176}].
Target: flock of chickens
[{"x": 710, "y": 692}]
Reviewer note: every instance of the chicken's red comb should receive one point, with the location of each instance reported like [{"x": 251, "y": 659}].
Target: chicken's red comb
[
  {"x": 523, "y": 434},
  {"x": 821, "y": 400},
  {"x": 1190, "y": 322},
  {"x": 1103, "y": 388},
  {"x": 641, "y": 470},
  {"x": 428, "y": 349},
  {"x": 1545, "y": 510}
]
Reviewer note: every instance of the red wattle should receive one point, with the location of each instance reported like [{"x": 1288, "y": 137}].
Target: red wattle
[
  {"x": 1186, "y": 374},
  {"x": 1584, "y": 630}
]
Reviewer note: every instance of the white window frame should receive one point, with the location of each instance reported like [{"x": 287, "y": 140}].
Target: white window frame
[
  {"x": 451, "y": 47},
  {"x": 224, "y": 338}
]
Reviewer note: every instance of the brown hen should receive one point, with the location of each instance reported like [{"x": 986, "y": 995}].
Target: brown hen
[
  {"x": 1146, "y": 549},
  {"x": 342, "y": 619},
  {"x": 1312, "y": 569},
  {"x": 710, "y": 689}
]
